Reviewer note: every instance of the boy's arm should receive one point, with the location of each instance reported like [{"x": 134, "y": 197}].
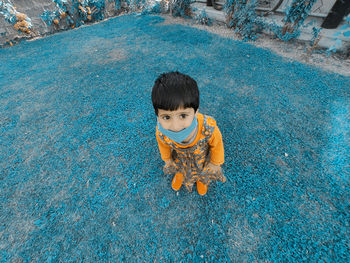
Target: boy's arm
[
  {"x": 216, "y": 145},
  {"x": 164, "y": 149}
]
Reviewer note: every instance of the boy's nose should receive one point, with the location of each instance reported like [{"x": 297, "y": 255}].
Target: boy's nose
[{"x": 175, "y": 127}]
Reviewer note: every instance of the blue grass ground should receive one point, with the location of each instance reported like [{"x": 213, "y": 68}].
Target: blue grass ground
[{"x": 80, "y": 173}]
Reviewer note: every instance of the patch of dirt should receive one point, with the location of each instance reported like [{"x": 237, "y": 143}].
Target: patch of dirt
[{"x": 116, "y": 54}]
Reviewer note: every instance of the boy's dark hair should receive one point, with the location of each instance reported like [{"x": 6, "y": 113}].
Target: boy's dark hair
[{"x": 172, "y": 90}]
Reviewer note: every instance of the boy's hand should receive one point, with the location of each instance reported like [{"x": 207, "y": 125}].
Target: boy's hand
[
  {"x": 215, "y": 169},
  {"x": 169, "y": 167},
  {"x": 167, "y": 163}
]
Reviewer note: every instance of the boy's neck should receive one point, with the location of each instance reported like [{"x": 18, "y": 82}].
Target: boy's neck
[{"x": 191, "y": 136}]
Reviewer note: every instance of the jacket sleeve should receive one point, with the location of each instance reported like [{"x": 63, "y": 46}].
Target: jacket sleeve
[
  {"x": 216, "y": 145},
  {"x": 164, "y": 149}
]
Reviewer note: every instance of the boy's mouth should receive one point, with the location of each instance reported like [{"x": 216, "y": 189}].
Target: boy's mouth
[{"x": 178, "y": 130}]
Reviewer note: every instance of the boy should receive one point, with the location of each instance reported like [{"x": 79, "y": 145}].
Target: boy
[{"x": 190, "y": 143}]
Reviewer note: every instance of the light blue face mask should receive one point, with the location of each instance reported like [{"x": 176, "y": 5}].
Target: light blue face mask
[{"x": 181, "y": 135}]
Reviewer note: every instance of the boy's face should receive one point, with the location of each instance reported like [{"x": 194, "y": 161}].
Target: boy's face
[{"x": 176, "y": 120}]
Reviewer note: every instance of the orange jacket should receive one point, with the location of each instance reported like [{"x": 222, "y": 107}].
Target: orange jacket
[{"x": 216, "y": 146}]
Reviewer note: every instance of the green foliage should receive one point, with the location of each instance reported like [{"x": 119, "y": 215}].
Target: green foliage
[
  {"x": 203, "y": 19},
  {"x": 8, "y": 11},
  {"x": 242, "y": 17},
  {"x": 298, "y": 11},
  {"x": 181, "y": 8}
]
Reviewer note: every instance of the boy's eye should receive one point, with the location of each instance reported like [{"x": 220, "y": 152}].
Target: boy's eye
[
  {"x": 166, "y": 117},
  {"x": 183, "y": 116}
]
